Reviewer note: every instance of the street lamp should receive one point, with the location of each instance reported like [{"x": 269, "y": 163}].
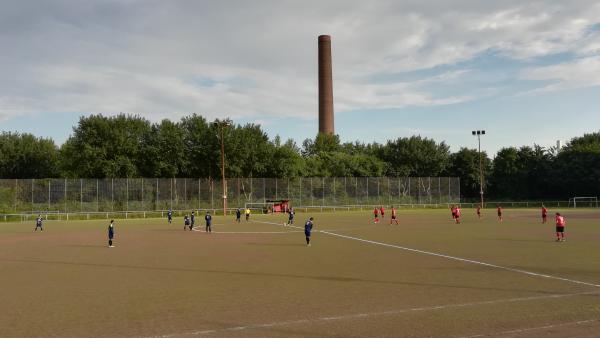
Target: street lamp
[
  {"x": 478, "y": 133},
  {"x": 222, "y": 125}
]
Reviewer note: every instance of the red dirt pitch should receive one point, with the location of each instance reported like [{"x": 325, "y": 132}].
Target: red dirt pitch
[{"x": 259, "y": 279}]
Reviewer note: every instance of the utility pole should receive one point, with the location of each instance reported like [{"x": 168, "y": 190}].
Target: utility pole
[{"x": 479, "y": 133}]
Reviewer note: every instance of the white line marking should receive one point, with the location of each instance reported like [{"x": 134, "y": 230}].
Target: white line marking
[
  {"x": 465, "y": 260},
  {"x": 458, "y": 259},
  {"x": 253, "y": 232},
  {"x": 365, "y": 315},
  {"x": 551, "y": 326}
]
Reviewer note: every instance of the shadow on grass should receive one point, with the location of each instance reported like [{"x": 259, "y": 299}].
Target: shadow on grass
[
  {"x": 86, "y": 245},
  {"x": 278, "y": 275},
  {"x": 549, "y": 241},
  {"x": 276, "y": 244}
]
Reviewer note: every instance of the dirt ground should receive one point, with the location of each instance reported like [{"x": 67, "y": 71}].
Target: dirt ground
[{"x": 426, "y": 277}]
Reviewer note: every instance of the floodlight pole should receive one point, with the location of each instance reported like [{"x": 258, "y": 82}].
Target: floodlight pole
[
  {"x": 479, "y": 133},
  {"x": 222, "y": 125}
]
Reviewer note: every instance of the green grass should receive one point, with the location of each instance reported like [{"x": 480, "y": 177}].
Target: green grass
[{"x": 160, "y": 280}]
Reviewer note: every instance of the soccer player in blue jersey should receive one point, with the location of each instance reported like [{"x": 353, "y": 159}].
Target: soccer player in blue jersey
[
  {"x": 308, "y": 226},
  {"x": 38, "y": 223},
  {"x": 170, "y": 216},
  {"x": 186, "y": 222},
  {"x": 291, "y": 216},
  {"x": 208, "y": 219},
  {"x": 111, "y": 233},
  {"x": 193, "y": 221}
]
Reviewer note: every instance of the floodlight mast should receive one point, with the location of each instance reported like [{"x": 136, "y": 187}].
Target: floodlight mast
[
  {"x": 222, "y": 125},
  {"x": 479, "y": 133}
]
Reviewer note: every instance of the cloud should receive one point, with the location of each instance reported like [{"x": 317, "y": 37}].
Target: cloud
[
  {"x": 258, "y": 59},
  {"x": 579, "y": 73}
]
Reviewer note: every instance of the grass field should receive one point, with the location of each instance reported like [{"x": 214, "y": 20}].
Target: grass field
[{"x": 258, "y": 279}]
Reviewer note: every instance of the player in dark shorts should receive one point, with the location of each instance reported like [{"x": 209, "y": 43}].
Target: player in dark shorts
[
  {"x": 38, "y": 223},
  {"x": 544, "y": 214},
  {"x": 186, "y": 222},
  {"x": 111, "y": 233},
  {"x": 192, "y": 221},
  {"x": 376, "y": 214},
  {"x": 208, "y": 219},
  {"x": 394, "y": 218},
  {"x": 453, "y": 211},
  {"x": 479, "y": 211},
  {"x": 560, "y": 228},
  {"x": 291, "y": 214},
  {"x": 382, "y": 211},
  {"x": 238, "y": 215},
  {"x": 170, "y": 216},
  {"x": 500, "y": 213},
  {"x": 308, "y": 226}
]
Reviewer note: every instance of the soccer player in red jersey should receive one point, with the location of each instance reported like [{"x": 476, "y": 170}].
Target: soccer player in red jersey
[
  {"x": 560, "y": 228},
  {"x": 479, "y": 211},
  {"x": 544, "y": 214},
  {"x": 500, "y": 213},
  {"x": 457, "y": 214},
  {"x": 376, "y": 214},
  {"x": 394, "y": 216},
  {"x": 382, "y": 211},
  {"x": 453, "y": 211}
]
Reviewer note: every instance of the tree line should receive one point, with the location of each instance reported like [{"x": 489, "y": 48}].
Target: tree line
[{"x": 131, "y": 146}]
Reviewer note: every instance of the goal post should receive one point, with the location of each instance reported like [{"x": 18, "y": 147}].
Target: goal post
[{"x": 583, "y": 202}]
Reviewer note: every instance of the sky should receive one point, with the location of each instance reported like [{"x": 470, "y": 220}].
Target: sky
[{"x": 526, "y": 72}]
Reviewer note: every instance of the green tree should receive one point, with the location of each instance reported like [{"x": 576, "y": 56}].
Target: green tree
[
  {"x": 105, "y": 147},
  {"x": 576, "y": 171},
  {"x": 465, "y": 165},
  {"x": 414, "y": 156},
  {"x": 163, "y": 151},
  {"x": 27, "y": 156}
]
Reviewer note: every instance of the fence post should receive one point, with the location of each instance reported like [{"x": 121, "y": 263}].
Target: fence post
[
  {"x": 156, "y": 201},
  {"x": 439, "y": 190},
  {"x": 333, "y": 192},
  {"x": 143, "y": 197},
  {"x": 112, "y": 195},
  {"x": 126, "y": 195},
  {"x": 323, "y": 193},
  {"x": 356, "y": 190},
  {"x": 66, "y": 198},
  {"x": 275, "y": 188},
  {"x": 49, "y": 184},
  {"x": 16, "y": 193},
  {"x": 311, "y": 193},
  {"x": 32, "y": 181},
  {"x": 300, "y": 202},
  {"x": 97, "y": 201},
  {"x": 81, "y": 194},
  {"x": 367, "y": 190}
]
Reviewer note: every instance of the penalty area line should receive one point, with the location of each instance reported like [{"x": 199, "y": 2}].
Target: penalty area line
[{"x": 367, "y": 315}]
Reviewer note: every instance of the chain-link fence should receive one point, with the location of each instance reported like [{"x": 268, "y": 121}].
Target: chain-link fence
[{"x": 146, "y": 194}]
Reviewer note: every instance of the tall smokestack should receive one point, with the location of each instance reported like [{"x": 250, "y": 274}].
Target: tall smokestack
[{"x": 325, "y": 86}]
